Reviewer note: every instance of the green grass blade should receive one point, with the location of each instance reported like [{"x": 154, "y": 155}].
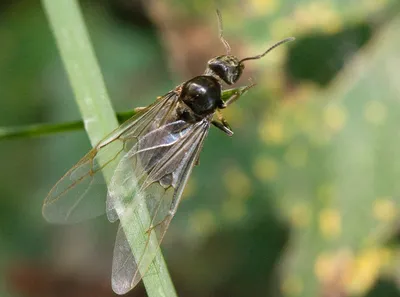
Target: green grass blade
[{"x": 98, "y": 115}]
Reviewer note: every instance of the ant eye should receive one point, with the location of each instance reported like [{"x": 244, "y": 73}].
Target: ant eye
[
  {"x": 227, "y": 68},
  {"x": 219, "y": 68}
]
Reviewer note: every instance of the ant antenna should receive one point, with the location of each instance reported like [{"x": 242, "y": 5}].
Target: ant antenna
[
  {"x": 221, "y": 36},
  {"x": 268, "y": 50}
]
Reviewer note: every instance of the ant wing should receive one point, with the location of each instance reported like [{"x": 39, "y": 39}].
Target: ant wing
[
  {"x": 80, "y": 193},
  {"x": 156, "y": 184}
]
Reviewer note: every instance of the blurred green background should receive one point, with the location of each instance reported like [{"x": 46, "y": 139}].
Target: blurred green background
[{"x": 301, "y": 201}]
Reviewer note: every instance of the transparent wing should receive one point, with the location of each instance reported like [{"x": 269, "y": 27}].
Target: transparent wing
[
  {"x": 80, "y": 193},
  {"x": 155, "y": 182}
]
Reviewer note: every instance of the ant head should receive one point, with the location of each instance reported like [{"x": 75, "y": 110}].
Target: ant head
[{"x": 228, "y": 67}]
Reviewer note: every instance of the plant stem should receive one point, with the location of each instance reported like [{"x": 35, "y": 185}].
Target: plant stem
[
  {"x": 98, "y": 116},
  {"x": 36, "y": 130}
]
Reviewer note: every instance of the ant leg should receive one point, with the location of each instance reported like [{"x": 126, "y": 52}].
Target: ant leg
[
  {"x": 222, "y": 127},
  {"x": 237, "y": 94},
  {"x": 222, "y": 120}
]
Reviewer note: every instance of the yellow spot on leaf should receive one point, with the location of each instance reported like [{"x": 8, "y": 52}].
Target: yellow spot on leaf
[
  {"x": 317, "y": 15},
  {"x": 332, "y": 267},
  {"x": 233, "y": 210},
  {"x": 264, "y": 7},
  {"x": 202, "y": 222},
  {"x": 375, "y": 112},
  {"x": 265, "y": 169},
  {"x": 327, "y": 18},
  {"x": 292, "y": 286},
  {"x": 384, "y": 209},
  {"x": 237, "y": 183},
  {"x": 272, "y": 132},
  {"x": 300, "y": 215},
  {"x": 332, "y": 271},
  {"x": 366, "y": 268},
  {"x": 357, "y": 274},
  {"x": 323, "y": 267},
  {"x": 330, "y": 223},
  {"x": 296, "y": 155},
  {"x": 335, "y": 117}
]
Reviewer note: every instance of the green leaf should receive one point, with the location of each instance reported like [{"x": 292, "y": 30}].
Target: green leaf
[
  {"x": 98, "y": 116},
  {"x": 339, "y": 171}
]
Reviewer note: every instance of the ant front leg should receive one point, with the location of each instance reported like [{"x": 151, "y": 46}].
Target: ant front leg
[
  {"x": 236, "y": 93},
  {"x": 222, "y": 124}
]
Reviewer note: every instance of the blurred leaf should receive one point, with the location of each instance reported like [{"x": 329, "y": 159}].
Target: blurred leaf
[
  {"x": 339, "y": 173},
  {"x": 274, "y": 18},
  {"x": 384, "y": 287},
  {"x": 329, "y": 52}
]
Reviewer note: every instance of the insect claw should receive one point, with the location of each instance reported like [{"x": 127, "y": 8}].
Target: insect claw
[{"x": 222, "y": 127}]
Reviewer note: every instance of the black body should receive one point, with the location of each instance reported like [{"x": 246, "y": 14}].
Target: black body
[{"x": 202, "y": 95}]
